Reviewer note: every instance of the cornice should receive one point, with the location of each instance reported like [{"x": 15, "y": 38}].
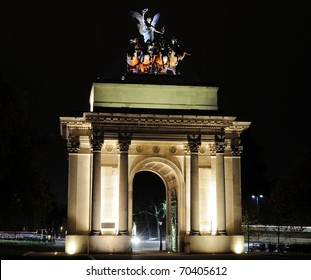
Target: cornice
[{"x": 142, "y": 125}]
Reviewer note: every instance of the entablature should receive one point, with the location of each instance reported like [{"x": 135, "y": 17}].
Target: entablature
[{"x": 159, "y": 127}]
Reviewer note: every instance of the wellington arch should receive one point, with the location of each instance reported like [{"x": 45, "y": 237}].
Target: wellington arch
[{"x": 162, "y": 125}]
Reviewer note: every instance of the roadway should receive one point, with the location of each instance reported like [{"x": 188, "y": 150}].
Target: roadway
[{"x": 146, "y": 251}]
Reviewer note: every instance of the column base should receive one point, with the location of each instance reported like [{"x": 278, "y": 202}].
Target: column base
[
  {"x": 214, "y": 244},
  {"x": 125, "y": 232},
  {"x": 221, "y": 232},
  {"x": 110, "y": 244}
]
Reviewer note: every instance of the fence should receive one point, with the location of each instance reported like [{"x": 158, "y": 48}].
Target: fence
[
  {"x": 277, "y": 238},
  {"x": 38, "y": 235}
]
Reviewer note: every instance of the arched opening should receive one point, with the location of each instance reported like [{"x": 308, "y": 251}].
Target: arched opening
[
  {"x": 167, "y": 174},
  {"x": 149, "y": 212}
]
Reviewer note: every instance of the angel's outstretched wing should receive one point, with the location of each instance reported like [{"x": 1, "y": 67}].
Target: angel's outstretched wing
[
  {"x": 155, "y": 19},
  {"x": 138, "y": 18}
]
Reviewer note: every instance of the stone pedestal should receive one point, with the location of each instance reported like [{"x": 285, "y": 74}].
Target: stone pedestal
[
  {"x": 214, "y": 244},
  {"x": 110, "y": 244},
  {"x": 76, "y": 244}
]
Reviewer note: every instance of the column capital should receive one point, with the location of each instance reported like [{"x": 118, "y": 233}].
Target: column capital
[
  {"x": 217, "y": 148},
  {"x": 194, "y": 142},
  {"x": 73, "y": 144},
  {"x": 220, "y": 147},
  {"x": 97, "y": 139},
  {"x": 124, "y": 141},
  {"x": 236, "y": 150}
]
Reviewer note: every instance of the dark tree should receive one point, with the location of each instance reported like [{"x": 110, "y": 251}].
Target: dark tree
[
  {"x": 25, "y": 200},
  {"x": 149, "y": 203},
  {"x": 291, "y": 193},
  {"x": 253, "y": 181}
]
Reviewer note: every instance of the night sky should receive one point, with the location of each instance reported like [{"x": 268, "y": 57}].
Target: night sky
[{"x": 257, "y": 53}]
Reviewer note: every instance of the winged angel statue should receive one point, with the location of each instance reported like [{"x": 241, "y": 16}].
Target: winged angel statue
[{"x": 146, "y": 27}]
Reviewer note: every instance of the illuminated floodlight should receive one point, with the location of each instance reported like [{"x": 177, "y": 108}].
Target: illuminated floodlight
[
  {"x": 135, "y": 240},
  {"x": 238, "y": 248},
  {"x": 72, "y": 248}
]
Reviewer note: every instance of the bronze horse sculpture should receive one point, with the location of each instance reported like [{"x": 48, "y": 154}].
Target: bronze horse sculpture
[
  {"x": 176, "y": 54},
  {"x": 133, "y": 56},
  {"x": 151, "y": 59}
]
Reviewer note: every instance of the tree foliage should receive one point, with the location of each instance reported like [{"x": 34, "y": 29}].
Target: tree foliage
[
  {"x": 291, "y": 193},
  {"x": 253, "y": 181},
  {"x": 25, "y": 200}
]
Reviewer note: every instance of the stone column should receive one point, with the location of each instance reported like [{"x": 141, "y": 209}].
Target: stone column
[
  {"x": 220, "y": 185},
  {"x": 124, "y": 143},
  {"x": 194, "y": 144},
  {"x": 73, "y": 145},
  {"x": 236, "y": 151},
  {"x": 96, "y": 143}
]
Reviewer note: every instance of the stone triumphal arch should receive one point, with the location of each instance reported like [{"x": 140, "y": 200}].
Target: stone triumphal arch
[{"x": 177, "y": 132}]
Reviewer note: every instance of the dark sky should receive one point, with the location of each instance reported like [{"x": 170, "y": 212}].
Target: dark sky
[{"x": 258, "y": 54}]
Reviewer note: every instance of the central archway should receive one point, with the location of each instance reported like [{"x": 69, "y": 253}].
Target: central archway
[
  {"x": 149, "y": 211},
  {"x": 171, "y": 178}
]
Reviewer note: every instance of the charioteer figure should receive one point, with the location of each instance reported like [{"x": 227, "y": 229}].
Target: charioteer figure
[{"x": 146, "y": 27}]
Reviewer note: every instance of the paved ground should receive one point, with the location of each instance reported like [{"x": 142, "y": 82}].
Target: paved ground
[
  {"x": 169, "y": 256},
  {"x": 152, "y": 255},
  {"x": 145, "y": 250}
]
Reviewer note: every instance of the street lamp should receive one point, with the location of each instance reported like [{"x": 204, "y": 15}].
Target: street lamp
[
  {"x": 160, "y": 227},
  {"x": 257, "y": 199}
]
